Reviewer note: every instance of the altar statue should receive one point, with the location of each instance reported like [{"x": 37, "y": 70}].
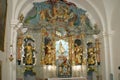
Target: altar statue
[
  {"x": 29, "y": 50},
  {"x": 61, "y": 49},
  {"x": 49, "y": 53},
  {"x": 78, "y": 50},
  {"x": 42, "y": 15},
  {"x": 91, "y": 54},
  {"x": 29, "y": 60}
]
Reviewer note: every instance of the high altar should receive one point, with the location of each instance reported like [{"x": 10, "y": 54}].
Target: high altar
[{"x": 57, "y": 40}]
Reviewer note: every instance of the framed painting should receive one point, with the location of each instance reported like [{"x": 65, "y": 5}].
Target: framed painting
[{"x": 3, "y": 11}]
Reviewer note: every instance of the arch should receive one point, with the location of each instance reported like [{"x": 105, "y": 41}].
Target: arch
[
  {"x": 25, "y": 6},
  {"x": 22, "y": 6}
]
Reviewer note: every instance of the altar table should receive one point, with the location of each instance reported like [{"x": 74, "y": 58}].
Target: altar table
[{"x": 71, "y": 78}]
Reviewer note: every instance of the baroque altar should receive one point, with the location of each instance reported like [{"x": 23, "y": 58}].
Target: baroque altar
[{"x": 57, "y": 37}]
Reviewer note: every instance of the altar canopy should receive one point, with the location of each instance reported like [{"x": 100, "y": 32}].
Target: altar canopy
[{"x": 58, "y": 37}]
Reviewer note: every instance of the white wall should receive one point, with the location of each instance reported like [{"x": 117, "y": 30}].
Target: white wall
[
  {"x": 2, "y": 59},
  {"x": 115, "y": 25}
]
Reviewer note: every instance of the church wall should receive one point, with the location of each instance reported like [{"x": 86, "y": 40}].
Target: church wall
[
  {"x": 6, "y": 64},
  {"x": 115, "y": 25},
  {"x": 116, "y": 55}
]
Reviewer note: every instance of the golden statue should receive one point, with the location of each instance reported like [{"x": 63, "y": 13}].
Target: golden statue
[
  {"x": 78, "y": 50},
  {"x": 21, "y": 17},
  {"x": 83, "y": 19},
  {"x": 29, "y": 54},
  {"x": 49, "y": 54},
  {"x": 91, "y": 56},
  {"x": 42, "y": 15}
]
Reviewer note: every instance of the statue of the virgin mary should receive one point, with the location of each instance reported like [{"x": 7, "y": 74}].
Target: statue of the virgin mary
[{"x": 61, "y": 49}]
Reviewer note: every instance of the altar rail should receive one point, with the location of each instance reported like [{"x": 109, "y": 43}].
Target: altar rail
[{"x": 72, "y": 78}]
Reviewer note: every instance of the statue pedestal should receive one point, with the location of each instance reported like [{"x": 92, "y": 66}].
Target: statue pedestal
[{"x": 29, "y": 75}]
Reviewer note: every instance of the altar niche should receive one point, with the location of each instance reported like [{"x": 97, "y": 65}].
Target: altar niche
[
  {"x": 49, "y": 50},
  {"x": 64, "y": 68}
]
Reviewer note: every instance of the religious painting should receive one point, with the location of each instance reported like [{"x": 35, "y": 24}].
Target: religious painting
[{"x": 3, "y": 12}]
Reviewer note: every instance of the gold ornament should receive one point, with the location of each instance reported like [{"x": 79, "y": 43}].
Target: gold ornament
[{"x": 21, "y": 17}]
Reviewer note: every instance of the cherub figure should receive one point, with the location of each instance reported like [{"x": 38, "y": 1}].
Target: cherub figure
[{"x": 83, "y": 19}]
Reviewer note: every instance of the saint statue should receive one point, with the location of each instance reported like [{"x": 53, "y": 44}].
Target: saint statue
[
  {"x": 29, "y": 60},
  {"x": 61, "y": 49},
  {"x": 29, "y": 50}
]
